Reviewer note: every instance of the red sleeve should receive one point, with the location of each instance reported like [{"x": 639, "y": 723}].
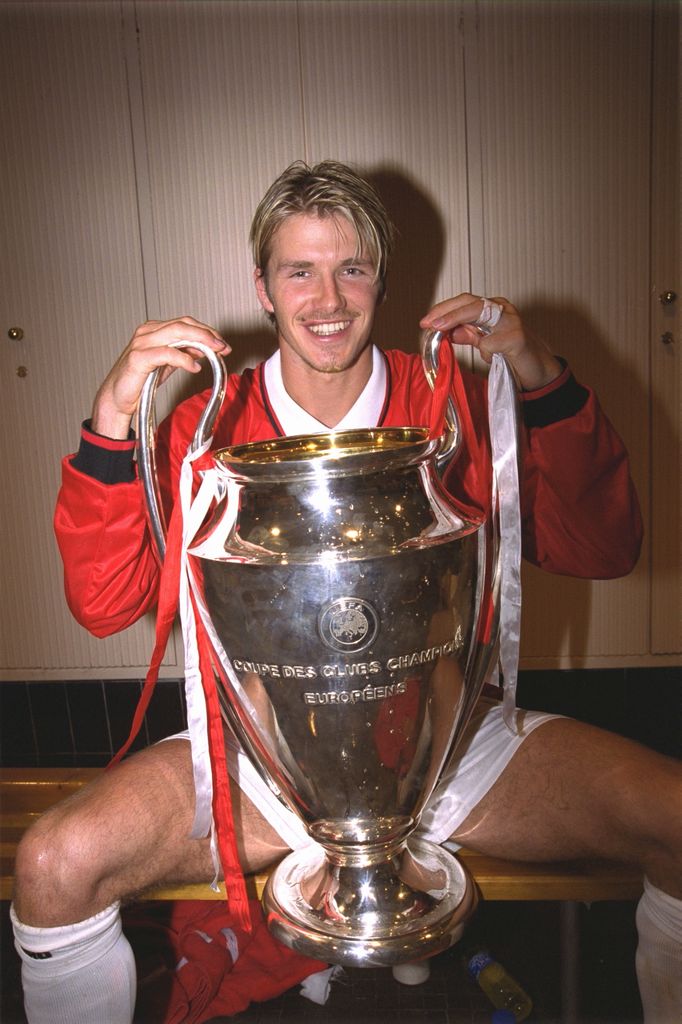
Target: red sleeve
[
  {"x": 110, "y": 572},
  {"x": 579, "y": 507}
]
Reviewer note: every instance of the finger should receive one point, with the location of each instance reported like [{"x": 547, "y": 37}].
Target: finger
[
  {"x": 162, "y": 332},
  {"x": 197, "y": 324},
  {"x": 444, "y": 311},
  {"x": 467, "y": 334},
  {"x": 464, "y": 309},
  {"x": 142, "y": 361}
]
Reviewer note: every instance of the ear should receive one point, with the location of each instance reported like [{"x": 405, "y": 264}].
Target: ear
[{"x": 262, "y": 290}]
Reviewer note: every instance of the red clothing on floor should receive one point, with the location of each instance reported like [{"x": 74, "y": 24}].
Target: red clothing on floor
[{"x": 198, "y": 964}]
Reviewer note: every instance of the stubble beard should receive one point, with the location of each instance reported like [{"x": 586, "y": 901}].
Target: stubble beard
[{"x": 329, "y": 361}]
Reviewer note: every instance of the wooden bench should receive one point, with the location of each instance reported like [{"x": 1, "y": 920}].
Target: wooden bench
[{"x": 26, "y": 792}]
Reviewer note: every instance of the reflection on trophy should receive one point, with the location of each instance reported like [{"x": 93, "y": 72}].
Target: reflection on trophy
[{"x": 354, "y": 610}]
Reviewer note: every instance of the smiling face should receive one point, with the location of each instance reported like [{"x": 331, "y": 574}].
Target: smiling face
[{"x": 323, "y": 294}]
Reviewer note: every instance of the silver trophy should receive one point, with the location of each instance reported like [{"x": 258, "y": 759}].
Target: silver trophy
[{"x": 354, "y": 609}]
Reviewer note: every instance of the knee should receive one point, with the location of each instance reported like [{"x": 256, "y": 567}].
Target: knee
[{"x": 54, "y": 869}]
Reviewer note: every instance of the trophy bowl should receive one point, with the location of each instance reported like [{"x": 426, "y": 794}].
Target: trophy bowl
[{"x": 352, "y": 606}]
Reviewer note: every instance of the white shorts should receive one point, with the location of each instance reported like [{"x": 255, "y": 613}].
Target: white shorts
[{"x": 486, "y": 748}]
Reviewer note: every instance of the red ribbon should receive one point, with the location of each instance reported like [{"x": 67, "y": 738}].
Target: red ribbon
[{"x": 169, "y": 591}]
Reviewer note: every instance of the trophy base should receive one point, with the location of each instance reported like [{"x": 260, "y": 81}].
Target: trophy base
[{"x": 407, "y": 906}]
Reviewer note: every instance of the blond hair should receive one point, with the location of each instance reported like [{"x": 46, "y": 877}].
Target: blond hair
[{"x": 326, "y": 189}]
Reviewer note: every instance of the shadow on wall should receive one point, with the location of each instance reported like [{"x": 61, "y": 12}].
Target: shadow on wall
[{"x": 417, "y": 259}]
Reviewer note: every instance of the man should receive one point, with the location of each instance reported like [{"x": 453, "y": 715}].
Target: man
[{"x": 321, "y": 240}]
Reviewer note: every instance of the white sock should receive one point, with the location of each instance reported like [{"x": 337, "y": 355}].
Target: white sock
[
  {"x": 659, "y": 956},
  {"x": 80, "y": 973}
]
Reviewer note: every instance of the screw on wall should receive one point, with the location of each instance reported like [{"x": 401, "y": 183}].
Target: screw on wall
[{"x": 16, "y": 334}]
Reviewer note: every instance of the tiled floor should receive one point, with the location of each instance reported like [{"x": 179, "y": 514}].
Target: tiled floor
[{"x": 524, "y": 936}]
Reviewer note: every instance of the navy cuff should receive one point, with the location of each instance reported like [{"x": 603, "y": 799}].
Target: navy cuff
[
  {"x": 560, "y": 400},
  {"x": 104, "y": 459}
]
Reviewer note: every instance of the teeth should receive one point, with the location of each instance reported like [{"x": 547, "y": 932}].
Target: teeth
[{"x": 330, "y": 328}]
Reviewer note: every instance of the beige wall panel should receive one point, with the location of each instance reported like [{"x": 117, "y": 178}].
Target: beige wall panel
[
  {"x": 383, "y": 86},
  {"x": 138, "y": 137},
  {"x": 564, "y": 94},
  {"x": 71, "y": 278},
  {"x": 222, "y": 106}
]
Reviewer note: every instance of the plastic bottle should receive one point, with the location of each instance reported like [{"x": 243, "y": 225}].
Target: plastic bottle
[{"x": 501, "y": 989}]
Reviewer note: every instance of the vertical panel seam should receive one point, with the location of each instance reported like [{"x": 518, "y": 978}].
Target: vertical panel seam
[
  {"x": 650, "y": 367},
  {"x": 299, "y": 41},
  {"x": 469, "y": 41},
  {"x": 140, "y": 148}
]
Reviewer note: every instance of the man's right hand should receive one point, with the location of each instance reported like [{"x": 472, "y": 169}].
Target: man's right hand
[{"x": 149, "y": 348}]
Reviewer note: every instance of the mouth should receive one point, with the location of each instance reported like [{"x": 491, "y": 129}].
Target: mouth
[{"x": 325, "y": 330}]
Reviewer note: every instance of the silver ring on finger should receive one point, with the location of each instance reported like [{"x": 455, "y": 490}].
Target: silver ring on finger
[{"x": 489, "y": 316}]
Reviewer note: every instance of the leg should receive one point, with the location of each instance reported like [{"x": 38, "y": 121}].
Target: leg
[
  {"x": 575, "y": 791},
  {"x": 572, "y": 791},
  {"x": 116, "y": 838},
  {"x": 122, "y": 834}
]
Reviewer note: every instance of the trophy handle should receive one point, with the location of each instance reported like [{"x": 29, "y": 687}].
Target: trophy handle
[
  {"x": 146, "y": 443},
  {"x": 452, "y": 436}
]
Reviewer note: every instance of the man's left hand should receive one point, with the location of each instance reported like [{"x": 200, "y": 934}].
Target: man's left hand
[{"x": 531, "y": 361}]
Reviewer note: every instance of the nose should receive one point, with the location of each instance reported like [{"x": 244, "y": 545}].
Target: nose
[{"x": 330, "y": 296}]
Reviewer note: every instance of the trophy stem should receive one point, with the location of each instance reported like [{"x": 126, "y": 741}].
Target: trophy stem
[{"x": 410, "y": 905}]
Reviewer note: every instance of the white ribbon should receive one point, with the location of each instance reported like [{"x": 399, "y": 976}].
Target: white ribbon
[
  {"x": 503, "y": 425},
  {"x": 489, "y": 317},
  {"x": 193, "y": 513},
  {"x": 213, "y": 487}
]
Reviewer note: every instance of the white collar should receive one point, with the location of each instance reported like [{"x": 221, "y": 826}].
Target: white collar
[{"x": 293, "y": 419}]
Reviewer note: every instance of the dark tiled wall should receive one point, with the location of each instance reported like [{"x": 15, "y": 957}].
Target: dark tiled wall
[
  {"x": 83, "y": 723},
  {"x": 642, "y": 703}
]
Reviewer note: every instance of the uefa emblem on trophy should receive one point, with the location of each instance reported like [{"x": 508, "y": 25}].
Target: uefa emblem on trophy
[{"x": 353, "y": 610}]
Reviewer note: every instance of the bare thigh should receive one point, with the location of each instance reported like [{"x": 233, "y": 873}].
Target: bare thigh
[
  {"x": 571, "y": 791},
  {"x": 125, "y": 832}
]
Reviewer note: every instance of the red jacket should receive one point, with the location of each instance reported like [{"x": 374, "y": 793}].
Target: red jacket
[{"x": 579, "y": 508}]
